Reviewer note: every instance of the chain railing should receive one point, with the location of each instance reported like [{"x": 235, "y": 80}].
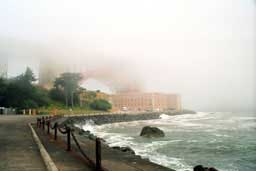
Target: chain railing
[{"x": 66, "y": 130}]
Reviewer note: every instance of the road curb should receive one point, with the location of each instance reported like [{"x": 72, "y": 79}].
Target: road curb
[{"x": 50, "y": 165}]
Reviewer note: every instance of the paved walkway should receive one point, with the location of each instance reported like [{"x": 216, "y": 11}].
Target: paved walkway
[
  {"x": 18, "y": 151},
  {"x": 65, "y": 161}
]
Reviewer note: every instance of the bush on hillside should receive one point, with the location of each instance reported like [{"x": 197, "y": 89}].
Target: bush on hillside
[{"x": 101, "y": 104}]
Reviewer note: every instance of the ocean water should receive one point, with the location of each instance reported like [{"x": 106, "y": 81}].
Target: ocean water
[{"x": 226, "y": 141}]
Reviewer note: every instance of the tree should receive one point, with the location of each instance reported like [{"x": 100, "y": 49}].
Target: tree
[
  {"x": 69, "y": 83},
  {"x": 3, "y": 88},
  {"x": 20, "y": 92},
  {"x": 41, "y": 96},
  {"x": 57, "y": 94},
  {"x": 101, "y": 104},
  {"x": 29, "y": 75},
  {"x": 26, "y": 79}
]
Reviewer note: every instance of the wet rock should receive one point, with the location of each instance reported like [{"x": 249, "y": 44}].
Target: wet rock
[
  {"x": 116, "y": 148},
  {"x": 81, "y": 132},
  {"x": 199, "y": 168},
  {"x": 92, "y": 137},
  {"x": 102, "y": 140},
  {"x": 127, "y": 149},
  {"x": 124, "y": 149},
  {"x": 187, "y": 111},
  {"x": 87, "y": 132},
  {"x": 202, "y": 168},
  {"x": 138, "y": 156},
  {"x": 150, "y": 132}
]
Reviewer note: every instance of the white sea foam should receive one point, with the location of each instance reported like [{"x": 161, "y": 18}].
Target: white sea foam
[
  {"x": 145, "y": 150},
  {"x": 87, "y": 125},
  {"x": 164, "y": 116},
  {"x": 222, "y": 135},
  {"x": 149, "y": 150},
  {"x": 181, "y": 120},
  {"x": 170, "y": 162},
  {"x": 217, "y": 127},
  {"x": 245, "y": 118},
  {"x": 192, "y": 141}
]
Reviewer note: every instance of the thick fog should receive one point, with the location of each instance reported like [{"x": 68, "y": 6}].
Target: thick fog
[{"x": 204, "y": 50}]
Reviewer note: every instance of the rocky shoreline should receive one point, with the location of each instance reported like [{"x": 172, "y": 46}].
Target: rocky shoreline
[
  {"x": 125, "y": 153},
  {"x": 114, "y": 118}
]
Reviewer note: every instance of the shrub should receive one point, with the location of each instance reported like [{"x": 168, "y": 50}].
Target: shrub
[{"x": 101, "y": 104}]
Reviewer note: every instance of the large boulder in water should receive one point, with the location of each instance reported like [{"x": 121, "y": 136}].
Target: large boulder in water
[{"x": 150, "y": 132}]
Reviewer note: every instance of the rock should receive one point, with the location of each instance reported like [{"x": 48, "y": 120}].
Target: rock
[
  {"x": 187, "y": 111},
  {"x": 127, "y": 149},
  {"x": 116, "y": 148},
  {"x": 124, "y": 149},
  {"x": 81, "y": 132},
  {"x": 149, "y": 132},
  {"x": 202, "y": 168},
  {"x": 92, "y": 137},
  {"x": 102, "y": 140},
  {"x": 212, "y": 169},
  {"x": 199, "y": 168},
  {"x": 87, "y": 132},
  {"x": 138, "y": 156}
]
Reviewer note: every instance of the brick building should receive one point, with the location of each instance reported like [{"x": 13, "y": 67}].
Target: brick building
[{"x": 138, "y": 101}]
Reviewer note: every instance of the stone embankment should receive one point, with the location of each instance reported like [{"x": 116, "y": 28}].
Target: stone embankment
[{"x": 105, "y": 118}]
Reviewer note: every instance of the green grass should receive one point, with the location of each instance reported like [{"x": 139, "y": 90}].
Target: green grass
[{"x": 60, "y": 109}]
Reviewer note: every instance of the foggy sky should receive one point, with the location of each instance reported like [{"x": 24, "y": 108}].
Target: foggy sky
[{"x": 201, "y": 49}]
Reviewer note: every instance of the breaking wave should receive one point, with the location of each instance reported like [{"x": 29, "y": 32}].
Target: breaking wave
[{"x": 211, "y": 139}]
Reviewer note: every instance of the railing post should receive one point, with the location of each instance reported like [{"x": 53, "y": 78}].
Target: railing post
[
  {"x": 48, "y": 126},
  {"x": 37, "y": 122},
  {"x": 40, "y": 122},
  {"x": 55, "y": 130},
  {"x": 68, "y": 138},
  {"x": 43, "y": 123},
  {"x": 98, "y": 154}
]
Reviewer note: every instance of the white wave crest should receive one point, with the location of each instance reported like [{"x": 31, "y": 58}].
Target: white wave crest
[
  {"x": 172, "y": 162},
  {"x": 87, "y": 125},
  {"x": 164, "y": 116}
]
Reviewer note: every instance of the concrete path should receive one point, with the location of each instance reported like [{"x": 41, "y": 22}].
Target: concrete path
[
  {"x": 65, "y": 161},
  {"x": 18, "y": 151}
]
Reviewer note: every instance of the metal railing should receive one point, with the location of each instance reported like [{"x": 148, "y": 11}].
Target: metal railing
[{"x": 66, "y": 130}]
